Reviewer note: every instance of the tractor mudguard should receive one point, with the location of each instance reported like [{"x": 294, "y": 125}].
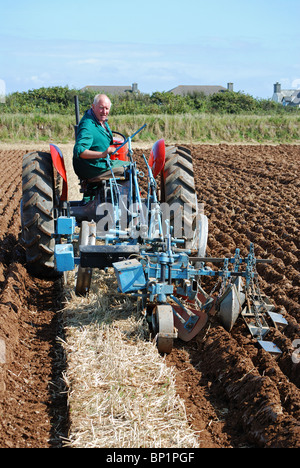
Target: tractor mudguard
[
  {"x": 59, "y": 164},
  {"x": 157, "y": 157}
]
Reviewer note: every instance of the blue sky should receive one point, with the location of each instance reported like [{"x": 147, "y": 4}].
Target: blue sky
[{"x": 158, "y": 44}]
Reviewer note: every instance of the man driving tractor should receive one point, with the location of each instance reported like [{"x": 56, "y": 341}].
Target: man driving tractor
[{"x": 93, "y": 141}]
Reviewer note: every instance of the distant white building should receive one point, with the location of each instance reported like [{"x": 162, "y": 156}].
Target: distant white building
[
  {"x": 286, "y": 97},
  {"x": 2, "y": 91}
]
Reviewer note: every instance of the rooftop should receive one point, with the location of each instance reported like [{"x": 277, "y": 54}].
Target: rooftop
[
  {"x": 208, "y": 90},
  {"x": 113, "y": 90}
]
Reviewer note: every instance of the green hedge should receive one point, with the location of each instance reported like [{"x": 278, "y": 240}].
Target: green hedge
[{"x": 60, "y": 100}]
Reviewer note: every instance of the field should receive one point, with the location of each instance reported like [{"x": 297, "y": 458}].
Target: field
[{"x": 235, "y": 394}]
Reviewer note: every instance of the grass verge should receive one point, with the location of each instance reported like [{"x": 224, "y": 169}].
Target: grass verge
[{"x": 202, "y": 128}]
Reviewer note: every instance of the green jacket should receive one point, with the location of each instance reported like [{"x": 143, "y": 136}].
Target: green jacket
[{"x": 91, "y": 135}]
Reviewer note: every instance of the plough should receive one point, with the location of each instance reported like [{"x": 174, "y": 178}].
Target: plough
[{"x": 156, "y": 244}]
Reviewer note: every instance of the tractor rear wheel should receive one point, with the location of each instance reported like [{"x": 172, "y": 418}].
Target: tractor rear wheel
[
  {"x": 178, "y": 191},
  {"x": 37, "y": 213}
]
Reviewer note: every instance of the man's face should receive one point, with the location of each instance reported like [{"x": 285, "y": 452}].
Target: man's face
[{"x": 101, "y": 109}]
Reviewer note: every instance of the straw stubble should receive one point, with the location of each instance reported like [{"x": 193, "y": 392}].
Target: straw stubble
[{"x": 121, "y": 392}]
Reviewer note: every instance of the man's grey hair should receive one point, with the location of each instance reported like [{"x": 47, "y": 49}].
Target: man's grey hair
[{"x": 99, "y": 96}]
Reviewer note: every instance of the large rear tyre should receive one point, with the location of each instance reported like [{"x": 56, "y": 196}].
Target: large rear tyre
[
  {"x": 178, "y": 191},
  {"x": 37, "y": 214}
]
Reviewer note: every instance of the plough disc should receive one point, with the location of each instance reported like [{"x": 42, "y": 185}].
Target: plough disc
[{"x": 231, "y": 303}]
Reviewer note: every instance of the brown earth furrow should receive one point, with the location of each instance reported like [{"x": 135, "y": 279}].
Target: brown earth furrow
[
  {"x": 258, "y": 400},
  {"x": 31, "y": 413}
]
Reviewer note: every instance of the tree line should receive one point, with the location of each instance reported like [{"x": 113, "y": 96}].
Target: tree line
[{"x": 60, "y": 100}]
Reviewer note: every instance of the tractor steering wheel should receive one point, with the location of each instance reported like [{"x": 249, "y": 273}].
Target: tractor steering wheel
[{"x": 120, "y": 134}]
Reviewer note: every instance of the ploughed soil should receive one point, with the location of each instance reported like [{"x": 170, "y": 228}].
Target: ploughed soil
[{"x": 236, "y": 394}]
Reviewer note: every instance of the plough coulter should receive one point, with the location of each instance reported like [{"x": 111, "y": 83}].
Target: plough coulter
[{"x": 156, "y": 243}]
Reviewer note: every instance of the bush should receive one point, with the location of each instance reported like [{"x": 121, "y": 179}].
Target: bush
[
  {"x": 232, "y": 103},
  {"x": 60, "y": 100},
  {"x": 46, "y": 100}
]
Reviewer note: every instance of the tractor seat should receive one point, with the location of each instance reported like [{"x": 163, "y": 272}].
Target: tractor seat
[{"x": 118, "y": 172}]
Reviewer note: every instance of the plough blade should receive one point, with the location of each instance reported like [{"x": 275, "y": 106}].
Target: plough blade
[
  {"x": 255, "y": 318},
  {"x": 278, "y": 320},
  {"x": 188, "y": 322},
  {"x": 270, "y": 347},
  {"x": 255, "y": 322}
]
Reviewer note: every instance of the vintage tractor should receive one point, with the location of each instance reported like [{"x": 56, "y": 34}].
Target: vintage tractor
[{"x": 155, "y": 243}]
